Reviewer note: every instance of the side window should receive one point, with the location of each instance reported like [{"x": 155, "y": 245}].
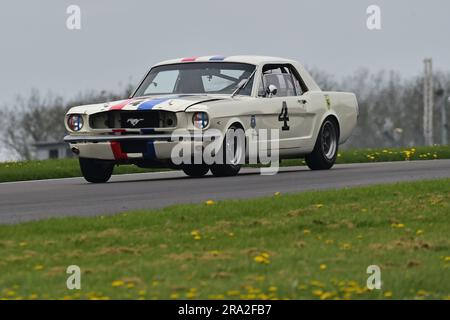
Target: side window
[
  {"x": 300, "y": 87},
  {"x": 279, "y": 76}
]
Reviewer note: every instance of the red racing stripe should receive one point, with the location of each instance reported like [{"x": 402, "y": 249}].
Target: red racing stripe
[
  {"x": 120, "y": 105},
  {"x": 117, "y": 151},
  {"x": 191, "y": 59}
]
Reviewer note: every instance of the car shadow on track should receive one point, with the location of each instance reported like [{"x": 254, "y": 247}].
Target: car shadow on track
[{"x": 253, "y": 172}]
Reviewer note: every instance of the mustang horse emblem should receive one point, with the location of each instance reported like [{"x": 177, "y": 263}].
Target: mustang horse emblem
[{"x": 134, "y": 121}]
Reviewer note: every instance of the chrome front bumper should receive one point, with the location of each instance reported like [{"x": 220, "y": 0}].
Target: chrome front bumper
[{"x": 148, "y": 137}]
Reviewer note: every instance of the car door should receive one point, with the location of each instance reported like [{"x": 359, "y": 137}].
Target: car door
[{"x": 285, "y": 110}]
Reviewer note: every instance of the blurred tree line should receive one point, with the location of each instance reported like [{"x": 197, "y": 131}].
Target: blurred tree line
[
  {"x": 391, "y": 108},
  {"x": 41, "y": 119},
  {"x": 391, "y": 111}
]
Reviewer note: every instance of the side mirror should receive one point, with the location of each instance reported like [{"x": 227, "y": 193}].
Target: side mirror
[{"x": 271, "y": 90}]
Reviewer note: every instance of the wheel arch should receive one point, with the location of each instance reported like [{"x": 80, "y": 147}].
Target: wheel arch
[
  {"x": 234, "y": 121},
  {"x": 329, "y": 115},
  {"x": 333, "y": 118}
]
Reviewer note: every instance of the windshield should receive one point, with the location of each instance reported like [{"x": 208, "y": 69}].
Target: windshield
[{"x": 197, "y": 78}]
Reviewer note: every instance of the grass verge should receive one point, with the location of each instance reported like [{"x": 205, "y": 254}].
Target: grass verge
[
  {"x": 308, "y": 245},
  {"x": 67, "y": 168}
]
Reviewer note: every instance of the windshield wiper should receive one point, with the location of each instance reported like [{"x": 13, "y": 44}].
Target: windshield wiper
[{"x": 243, "y": 84}]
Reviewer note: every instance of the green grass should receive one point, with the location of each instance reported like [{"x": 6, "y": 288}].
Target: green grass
[
  {"x": 66, "y": 168},
  {"x": 308, "y": 245},
  {"x": 51, "y": 169}
]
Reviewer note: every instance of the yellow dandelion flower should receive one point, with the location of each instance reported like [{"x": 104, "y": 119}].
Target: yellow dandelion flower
[
  {"x": 38, "y": 267},
  {"x": 233, "y": 293},
  {"x": 327, "y": 295},
  {"x": 419, "y": 232},
  {"x": 317, "y": 292},
  {"x": 306, "y": 231},
  {"x": 117, "y": 283},
  {"x": 130, "y": 285},
  {"x": 329, "y": 241},
  {"x": 174, "y": 296},
  {"x": 142, "y": 292},
  {"x": 422, "y": 293},
  {"x": 323, "y": 266},
  {"x": 447, "y": 259},
  {"x": 191, "y": 295},
  {"x": 265, "y": 255},
  {"x": 277, "y": 193},
  {"x": 210, "y": 202},
  {"x": 10, "y": 293},
  {"x": 259, "y": 259},
  {"x": 273, "y": 289},
  {"x": 388, "y": 294},
  {"x": 155, "y": 283}
]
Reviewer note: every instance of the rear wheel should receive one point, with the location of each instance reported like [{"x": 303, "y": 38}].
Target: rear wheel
[
  {"x": 96, "y": 171},
  {"x": 195, "y": 170},
  {"x": 234, "y": 146},
  {"x": 325, "y": 150}
]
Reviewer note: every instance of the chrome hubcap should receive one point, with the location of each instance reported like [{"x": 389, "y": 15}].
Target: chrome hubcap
[
  {"x": 233, "y": 149},
  {"x": 329, "y": 140}
]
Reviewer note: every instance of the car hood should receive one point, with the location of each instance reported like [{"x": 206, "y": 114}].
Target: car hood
[{"x": 174, "y": 103}]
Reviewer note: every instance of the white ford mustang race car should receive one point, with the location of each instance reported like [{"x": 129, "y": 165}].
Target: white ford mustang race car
[{"x": 195, "y": 102}]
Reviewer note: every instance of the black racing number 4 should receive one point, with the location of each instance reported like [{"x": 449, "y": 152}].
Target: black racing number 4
[{"x": 284, "y": 116}]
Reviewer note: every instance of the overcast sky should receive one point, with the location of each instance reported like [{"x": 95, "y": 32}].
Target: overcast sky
[{"x": 120, "y": 40}]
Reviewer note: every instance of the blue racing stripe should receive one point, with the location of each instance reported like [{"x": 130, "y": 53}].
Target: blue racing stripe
[
  {"x": 217, "y": 58},
  {"x": 148, "y": 105},
  {"x": 147, "y": 131},
  {"x": 150, "y": 153}
]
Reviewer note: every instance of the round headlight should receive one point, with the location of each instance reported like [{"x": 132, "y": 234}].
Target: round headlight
[
  {"x": 200, "y": 120},
  {"x": 75, "y": 122}
]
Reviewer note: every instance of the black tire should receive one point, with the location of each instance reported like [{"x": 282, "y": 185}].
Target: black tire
[
  {"x": 96, "y": 171},
  {"x": 325, "y": 150},
  {"x": 195, "y": 170},
  {"x": 229, "y": 169}
]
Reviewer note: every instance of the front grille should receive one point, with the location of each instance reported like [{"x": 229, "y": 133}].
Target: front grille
[
  {"x": 124, "y": 119},
  {"x": 139, "y": 119}
]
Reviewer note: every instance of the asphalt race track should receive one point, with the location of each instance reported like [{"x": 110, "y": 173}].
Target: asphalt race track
[{"x": 31, "y": 200}]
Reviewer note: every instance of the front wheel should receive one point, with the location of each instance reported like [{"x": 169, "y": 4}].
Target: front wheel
[
  {"x": 233, "y": 152},
  {"x": 325, "y": 150},
  {"x": 195, "y": 170},
  {"x": 96, "y": 171}
]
